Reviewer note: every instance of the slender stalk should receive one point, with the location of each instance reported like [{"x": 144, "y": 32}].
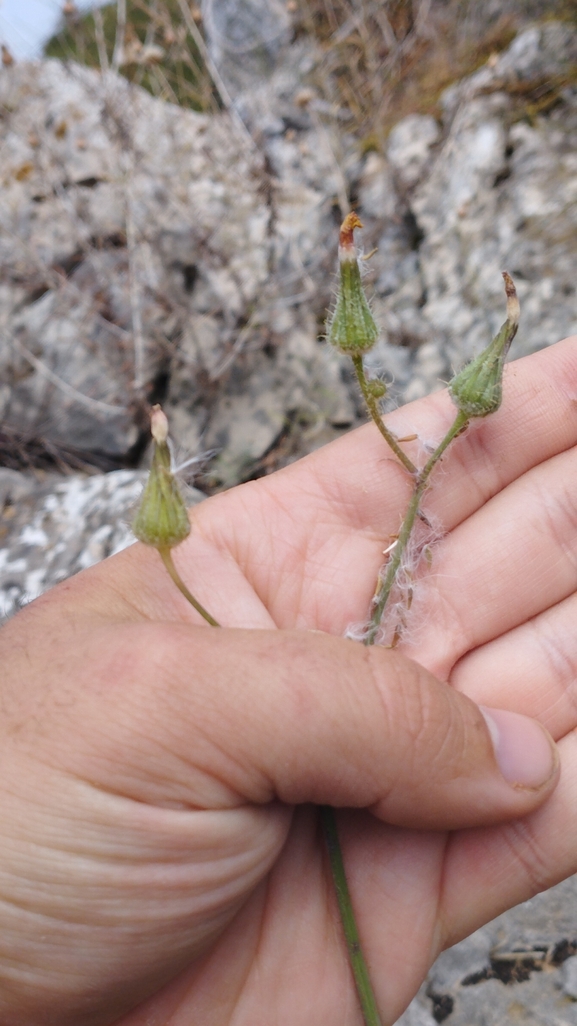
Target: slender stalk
[
  {"x": 328, "y": 820},
  {"x": 359, "y": 966},
  {"x": 385, "y": 585},
  {"x": 372, "y": 405},
  {"x": 166, "y": 556},
  {"x": 118, "y": 54},
  {"x": 100, "y": 39}
]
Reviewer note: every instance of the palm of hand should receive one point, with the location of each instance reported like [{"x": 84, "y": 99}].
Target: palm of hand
[{"x": 300, "y": 550}]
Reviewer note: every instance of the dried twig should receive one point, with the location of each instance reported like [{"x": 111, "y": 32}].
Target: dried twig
[
  {"x": 215, "y": 75},
  {"x": 68, "y": 390},
  {"x": 100, "y": 40},
  {"x": 118, "y": 54},
  {"x": 134, "y": 289}
]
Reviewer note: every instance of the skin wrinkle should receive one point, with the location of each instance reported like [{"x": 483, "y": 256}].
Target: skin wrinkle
[
  {"x": 325, "y": 547},
  {"x": 253, "y": 860},
  {"x": 340, "y": 497},
  {"x": 163, "y": 654},
  {"x": 136, "y": 601},
  {"x": 307, "y": 582},
  {"x": 264, "y": 924},
  {"x": 566, "y": 504},
  {"x": 309, "y": 864},
  {"x": 288, "y": 512},
  {"x": 499, "y": 871},
  {"x": 246, "y": 561},
  {"x": 451, "y": 725},
  {"x": 258, "y": 935},
  {"x": 200, "y": 524},
  {"x": 206, "y": 733},
  {"x": 541, "y": 499},
  {"x": 238, "y": 1013},
  {"x": 372, "y": 677},
  {"x": 520, "y": 836},
  {"x": 412, "y": 717},
  {"x": 560, "y": 664}
]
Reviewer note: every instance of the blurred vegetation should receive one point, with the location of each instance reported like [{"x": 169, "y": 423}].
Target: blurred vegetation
[
  {"x": 156, "y": 49},
  {"x": 384, "y": 60},
  {"x": 380, "y": 59}
]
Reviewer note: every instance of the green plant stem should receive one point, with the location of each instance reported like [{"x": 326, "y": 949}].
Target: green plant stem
[
  {"x": 359, "y": 966},
  {"x": 166, "y": 556},
  {"x": 328, "y": 819},
  {"x": 372, "y": 405},
  {"x": 385, "y": 585}
]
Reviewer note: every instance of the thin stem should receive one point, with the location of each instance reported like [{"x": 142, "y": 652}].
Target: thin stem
[
  {"x": 118, "y": 54},
  {"x": 359, "y": 966},
  {"x": 100, "y": 39},
  {"x": 385, "y": 585},
  {"x": 372, "y": 405},
  {"x": 166, "y": 556},
  {"x": 214, "y": 73}
]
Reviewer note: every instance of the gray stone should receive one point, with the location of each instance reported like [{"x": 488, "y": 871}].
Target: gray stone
[
  {"x": 143, "y": 243},
  {"x": 208, "y": 272},
  {"x": 376, "y": 189},
  {"x": 499, "y": 194},
  {"x": 143, "y": 240},
  {"x": 245, "y": 37},
  {"x": 569, "y": 977},
  {"x": 518, "y": 968},
  {"x": 409, "y": 147},
  {"x": 111, "y": 200}
]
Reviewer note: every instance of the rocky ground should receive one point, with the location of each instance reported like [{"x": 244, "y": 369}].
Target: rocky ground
[{"x": 151, "y": 253}]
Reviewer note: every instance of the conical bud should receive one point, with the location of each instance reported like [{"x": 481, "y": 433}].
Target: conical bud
[
  {"x": 477, "y": 389},
  {"x": 351, "y": 327},
  {"x": 161, "y": 519}
]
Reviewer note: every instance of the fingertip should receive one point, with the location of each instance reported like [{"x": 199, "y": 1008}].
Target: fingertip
[{"x": 525, "y": 752}]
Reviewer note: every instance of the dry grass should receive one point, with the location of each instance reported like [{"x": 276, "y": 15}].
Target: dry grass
[
  {"x": 381, "y": 59},
  {"x": 151, "y": 43},
  {"x": 385, "y": 60}
]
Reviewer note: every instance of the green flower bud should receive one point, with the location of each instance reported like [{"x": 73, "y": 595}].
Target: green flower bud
[
  {"x": 351, "y": 327},
  {"x": 477, "y": 389},
  {"x": 377, "y": 389},
  {"x": 161, "y": 519}
]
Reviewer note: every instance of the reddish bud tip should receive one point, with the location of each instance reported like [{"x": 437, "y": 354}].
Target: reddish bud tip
[
  {"x": 348, "y": 226},
  {"x": 513, "y": 308}
]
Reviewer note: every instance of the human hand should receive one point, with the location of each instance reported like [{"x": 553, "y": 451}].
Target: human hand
[{"x": 158, "y": 845}]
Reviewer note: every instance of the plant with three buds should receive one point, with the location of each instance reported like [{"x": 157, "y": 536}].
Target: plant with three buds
[{"x": 476, "y": 391}]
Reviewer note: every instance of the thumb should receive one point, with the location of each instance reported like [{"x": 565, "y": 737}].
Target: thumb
[{"x": 306, "y": 717}]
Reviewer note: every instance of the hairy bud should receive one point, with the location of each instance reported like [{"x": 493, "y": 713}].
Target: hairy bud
[
  {"x": 477, "y": 389},
  {"x": 161, "y": 519},
  {"x": 351, "y": 327},
  {"x": 376, "y": 388}
]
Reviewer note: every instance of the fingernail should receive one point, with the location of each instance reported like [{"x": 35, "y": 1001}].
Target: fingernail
[{"x": 526, "y": 755}]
